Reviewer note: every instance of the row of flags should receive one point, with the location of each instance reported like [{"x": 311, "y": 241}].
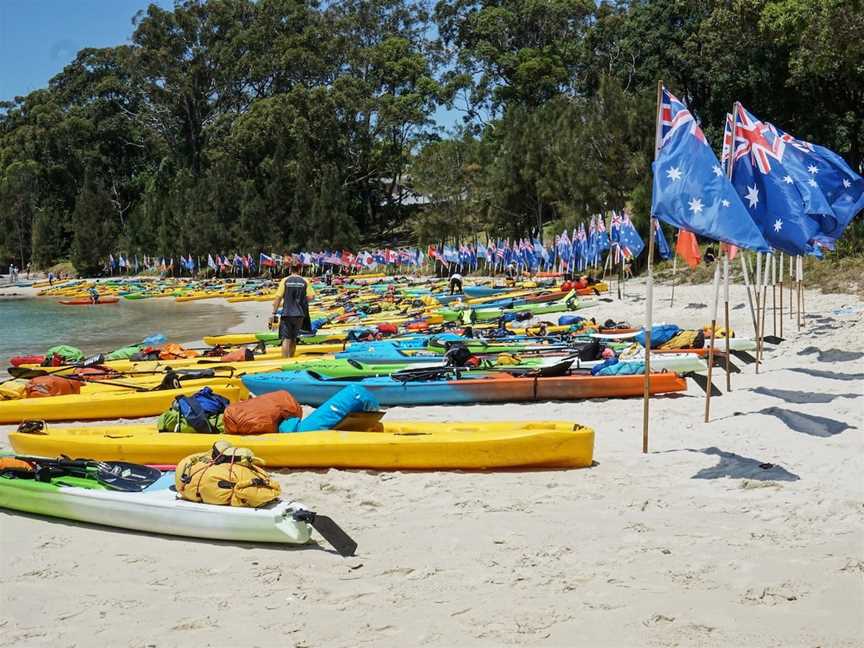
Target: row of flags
[
  {"x": 249, "y": 263},
  {"x": 769, "y": 191},
  {"x": 583, "y": 248}
]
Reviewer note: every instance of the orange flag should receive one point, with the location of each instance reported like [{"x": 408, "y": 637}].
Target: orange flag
[{"x": 687, "y": 248}]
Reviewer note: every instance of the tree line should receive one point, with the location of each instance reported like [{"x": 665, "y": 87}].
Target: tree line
[{"x": 233, "y": 124}]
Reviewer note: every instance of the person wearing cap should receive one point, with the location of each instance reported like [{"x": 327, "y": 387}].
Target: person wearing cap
[{"x": 294, "y": 293}]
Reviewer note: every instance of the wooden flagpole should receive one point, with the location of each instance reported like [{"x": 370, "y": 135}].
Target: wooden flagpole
[
  {"x": 780, "y": 317},
  {"x": 674, "y": 276},
  {"x": 774, "y": 295},
  {"x": 713, "y": 339},
  {"x": 798, "y": 278},
  {"x": 803, "y": 307},
  {"x": 649, "y": 291},
  {"x": 791, "y": 283},
  {"x": 726, "y": 318},
  {"x": 758, "y": 291}
]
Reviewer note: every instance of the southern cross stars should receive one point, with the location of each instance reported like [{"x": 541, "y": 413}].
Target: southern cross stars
[
  {"x": 674, "y": 174},
  {"x": 813, "y": 169},
  {"x": 752, "y": 196},
  {"x": 725, "y": 202},
  {"x": 846, "y": 183},
  {"x": 695, "y": 205},
  {"x": 788, "y": 179},
  {"x": 812, "y": 182},
  {"x": 778, "y": 224},
  {"x": 717, "y": 170}
]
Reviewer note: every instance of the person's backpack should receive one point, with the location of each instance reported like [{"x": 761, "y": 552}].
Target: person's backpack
[{"x": 198, "y": 408}]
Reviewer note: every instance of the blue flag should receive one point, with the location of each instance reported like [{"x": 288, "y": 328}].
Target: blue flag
[
  {"x": 659, "y": 238},
  {"x": 776, "y": 201},
  {"x": 821, "y": 171},
  {"x": 690, "y": 190},
  {"x": 630, "y": 241}
]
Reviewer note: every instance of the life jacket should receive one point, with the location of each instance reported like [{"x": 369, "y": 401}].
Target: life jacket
[{"x": 225, "y": 476}]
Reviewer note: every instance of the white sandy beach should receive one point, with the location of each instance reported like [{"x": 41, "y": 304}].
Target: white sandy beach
[{"x": 747, "y": 531}]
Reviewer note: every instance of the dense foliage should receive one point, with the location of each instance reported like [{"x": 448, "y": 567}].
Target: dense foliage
[{"x": 240, "y": 125}]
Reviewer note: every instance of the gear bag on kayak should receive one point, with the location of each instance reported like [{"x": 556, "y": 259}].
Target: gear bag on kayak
[{"x": 225, "y": 476}]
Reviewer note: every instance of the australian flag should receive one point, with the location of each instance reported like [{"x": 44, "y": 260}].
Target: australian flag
[
  {"x": 659, "y": 238},
  {"x": 690, "y": 190},
  {"x": 629, "y": 239},
  {"x": 777, "y": 202},
  {"x": 834, "y": 193}
]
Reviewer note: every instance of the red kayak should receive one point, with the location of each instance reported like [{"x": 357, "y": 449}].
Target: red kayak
[{"x": 84, "y": 301}]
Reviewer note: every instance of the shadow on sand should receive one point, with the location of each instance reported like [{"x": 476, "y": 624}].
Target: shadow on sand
[
  {"x": 737, "y": 467},
  {"x": 818, "y": 426},
  {"x": 800, "y": 397},
  {"x": 832, "y": 355}
]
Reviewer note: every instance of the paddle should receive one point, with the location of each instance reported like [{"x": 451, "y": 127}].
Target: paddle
[
  {"x": 329, "y": 530},
  {"x": 88, "y": 362},
  {"x": 116, "y": 475}
]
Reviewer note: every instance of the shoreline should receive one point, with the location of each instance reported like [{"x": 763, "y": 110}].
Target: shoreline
[{"x": 747, "y": 530}]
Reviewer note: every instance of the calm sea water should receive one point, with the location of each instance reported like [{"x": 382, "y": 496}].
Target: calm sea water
[{"x": 34, "y": 325}]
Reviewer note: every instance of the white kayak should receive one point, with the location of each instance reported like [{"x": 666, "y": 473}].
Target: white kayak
[{"x": 154, "y": 510}]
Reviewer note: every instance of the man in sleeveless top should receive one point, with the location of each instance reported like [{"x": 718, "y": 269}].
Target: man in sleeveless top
[{"x": 294, "y": 293}]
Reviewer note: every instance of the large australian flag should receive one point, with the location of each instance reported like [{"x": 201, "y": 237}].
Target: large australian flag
[
  {"x": 781, "y": 203},
  {"x": 690, "y": 190}
]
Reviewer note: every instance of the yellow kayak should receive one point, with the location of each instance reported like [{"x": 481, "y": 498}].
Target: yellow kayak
[
  {"x": 108, "y": 404},
  {"x": 392, "y": 445}
]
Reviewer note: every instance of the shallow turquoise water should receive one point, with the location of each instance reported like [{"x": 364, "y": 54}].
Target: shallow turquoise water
[{"x": 34, "y": 325}]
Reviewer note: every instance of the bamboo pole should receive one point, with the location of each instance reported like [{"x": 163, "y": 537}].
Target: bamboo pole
[
  {"x": 674, "y": 277},
  {"x": 726, "y": 318},
  {"x": 713, "y": 340},
  {"x": 774, "y": 295},
  {"x": 798, "y": 271},
  {"x": 758, "y": 290},
  {"x": 781, "y": 295},
  {"x": 649, "y": 293}
]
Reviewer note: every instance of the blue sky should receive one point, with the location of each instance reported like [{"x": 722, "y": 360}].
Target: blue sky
[{"x": 39, "y": 37}]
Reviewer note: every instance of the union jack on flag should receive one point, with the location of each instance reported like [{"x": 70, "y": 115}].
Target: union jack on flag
[
  {"x": 757, "y": 139},
  {"x": 674, "y": 115}
]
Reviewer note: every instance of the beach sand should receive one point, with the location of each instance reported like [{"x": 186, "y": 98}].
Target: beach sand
[{"x": 748, "y": 530}]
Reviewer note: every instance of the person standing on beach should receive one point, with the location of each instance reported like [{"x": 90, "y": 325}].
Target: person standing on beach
[{"x": 294, "y": 293}]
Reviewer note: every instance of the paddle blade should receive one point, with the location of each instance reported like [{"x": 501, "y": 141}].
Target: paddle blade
[
  {"x": 24, "y": 372},
  {"x": 329, "y": 530},
  {"x": 127, "y": 477}
]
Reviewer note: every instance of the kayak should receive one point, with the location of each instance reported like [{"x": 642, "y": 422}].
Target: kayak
[
  {"x": 108, "y": 404},
  {"x": 389, "y": 446},
  {"x": 156, "y": 509},
  {"x": 482, "y": 387},
  {"x": 85, "y": 301}
]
